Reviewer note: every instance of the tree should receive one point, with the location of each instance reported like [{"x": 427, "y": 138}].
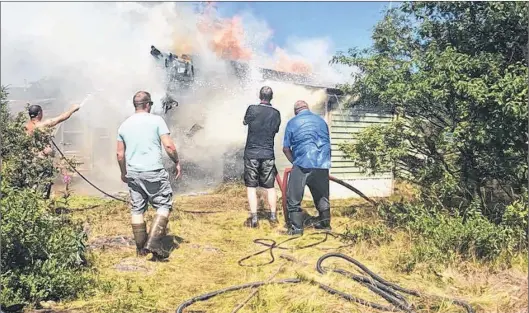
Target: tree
[{"x": 456, "y": 76}]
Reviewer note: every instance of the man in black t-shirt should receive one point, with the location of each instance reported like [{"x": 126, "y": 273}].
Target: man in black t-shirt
[{"x": 259, "y": 160}]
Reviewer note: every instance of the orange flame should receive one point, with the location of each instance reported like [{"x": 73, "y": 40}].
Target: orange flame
[
  {"x": 228, "y": 41},
  {"x": 226, "y": 37},
  {"x": 183, "y": 46},
  {"x": 285, "y": 63}
]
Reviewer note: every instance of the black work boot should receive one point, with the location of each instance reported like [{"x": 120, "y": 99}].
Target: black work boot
[
  {"x": 252, "y": 221},
  {"x": 324, "y": 221},
  {"x": 156, "y": 233},
  {"x": 295, "y": 226},
  {"x": 140, "y": 237}
]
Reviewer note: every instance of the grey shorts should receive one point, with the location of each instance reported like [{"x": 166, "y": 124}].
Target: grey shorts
[{"x": 150, "y": 187}]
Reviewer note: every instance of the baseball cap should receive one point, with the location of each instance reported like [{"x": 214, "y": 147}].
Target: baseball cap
[{"x": 34, "y": 110}]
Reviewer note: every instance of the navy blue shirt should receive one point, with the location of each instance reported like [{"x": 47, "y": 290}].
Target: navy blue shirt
[{"x": 307, "y": 135}]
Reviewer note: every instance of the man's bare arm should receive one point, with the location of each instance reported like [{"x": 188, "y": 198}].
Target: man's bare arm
[
  {"x": 170, "y": 148},
  {"x": 121, "y": 158},
  {"x": 61, "y": 118},
  {"x": 288, "y": 154}
]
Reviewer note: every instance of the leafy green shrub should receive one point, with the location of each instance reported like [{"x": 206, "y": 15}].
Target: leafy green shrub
[
  {"x": 372, "y": 234},
  {"x": 22, "y": 167},
  {"x": 459, "y": 92},
  {"x": 457, "y": 86},
  {"x": 442, "y": 236},
  {"x": 42, "y": 253},
  {"x": 515, "y": 218}
]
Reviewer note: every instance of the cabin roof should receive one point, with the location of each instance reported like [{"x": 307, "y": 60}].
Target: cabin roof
[{"x": 293, "y": 78}]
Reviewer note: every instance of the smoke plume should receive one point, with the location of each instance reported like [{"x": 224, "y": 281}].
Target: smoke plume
[{"x": 103, "y": 49}]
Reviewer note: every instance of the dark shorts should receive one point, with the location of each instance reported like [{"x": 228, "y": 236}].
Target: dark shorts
[{"x": 259, "y": 173}]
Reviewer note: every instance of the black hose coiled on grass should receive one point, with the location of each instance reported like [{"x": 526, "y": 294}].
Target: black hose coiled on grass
[
  {"x": 383, "y": 288},
  {"x": 210, "y": 295},
  {"x": 380, "y": 286},
  {"x": 375, "y": 283},
  {"x": 274, "y": 245}
]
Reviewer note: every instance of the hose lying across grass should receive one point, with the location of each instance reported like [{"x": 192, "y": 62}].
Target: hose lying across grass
[
  {"x": 383, "y": 288},
  {"x": 274, "y": 245}
]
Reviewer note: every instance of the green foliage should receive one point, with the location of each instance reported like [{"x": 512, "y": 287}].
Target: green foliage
[
  {"x": 42, "y": 253},
  {"x": 441, "y": 236},
  {"x": 515, "y": 217},
  {"x": 22, "y": 165},
  {"x": 372, "y": 234},
  {"x": 455, "y": 74}
]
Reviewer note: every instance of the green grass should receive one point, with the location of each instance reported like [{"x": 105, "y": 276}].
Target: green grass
[{"x": 212, "y": 244}]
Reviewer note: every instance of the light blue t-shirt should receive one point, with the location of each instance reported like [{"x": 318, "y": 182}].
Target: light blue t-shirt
[{"x": 143, "y": 148}]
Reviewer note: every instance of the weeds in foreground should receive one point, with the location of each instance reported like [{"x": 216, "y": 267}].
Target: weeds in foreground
[{"x": 211, "y": 245}]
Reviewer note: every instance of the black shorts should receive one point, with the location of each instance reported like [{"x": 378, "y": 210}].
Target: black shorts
[{"x": 259, "y": 173}]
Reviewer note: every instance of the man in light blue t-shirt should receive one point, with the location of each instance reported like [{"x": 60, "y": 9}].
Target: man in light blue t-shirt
[{"x": 139, "y": 153}]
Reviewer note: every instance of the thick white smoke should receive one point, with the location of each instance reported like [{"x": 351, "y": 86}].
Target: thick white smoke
[{"x": 104, "y": 48}]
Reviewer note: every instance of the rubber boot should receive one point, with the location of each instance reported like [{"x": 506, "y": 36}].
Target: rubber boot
[
  {"x": 252, "y": 221},
  {"x": 156, "y": 233},
  {"x": 324, "y": 220},
  {"x": 296, "y": 223},
  {"x": 140, "y": 237}
]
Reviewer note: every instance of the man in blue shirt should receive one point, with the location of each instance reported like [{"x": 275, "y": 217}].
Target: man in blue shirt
[{"x": 307, "y": 146}]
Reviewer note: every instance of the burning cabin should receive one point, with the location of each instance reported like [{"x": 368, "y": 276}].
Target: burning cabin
[
  {"x": 344, "y": 121},
  {"x": 93, "y": 144}
]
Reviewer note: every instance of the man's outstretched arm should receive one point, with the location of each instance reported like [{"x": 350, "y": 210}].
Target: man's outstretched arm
[{"x": 61, "y": 118}]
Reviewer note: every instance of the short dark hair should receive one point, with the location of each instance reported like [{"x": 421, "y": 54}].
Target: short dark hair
[
  {"x": 34, "y": 110},
  {"x": 141, "y": 98},
  {"x": 266, "y": 93}
]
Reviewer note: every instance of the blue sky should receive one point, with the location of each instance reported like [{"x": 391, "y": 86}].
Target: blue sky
[{"x": 347, "y": 24}]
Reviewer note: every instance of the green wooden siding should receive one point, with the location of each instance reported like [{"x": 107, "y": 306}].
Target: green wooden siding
[{"x": 344, "y": 124}]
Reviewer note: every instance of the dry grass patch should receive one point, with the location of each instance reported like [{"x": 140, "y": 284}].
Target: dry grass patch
[{"x": 210, "y": 246}]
